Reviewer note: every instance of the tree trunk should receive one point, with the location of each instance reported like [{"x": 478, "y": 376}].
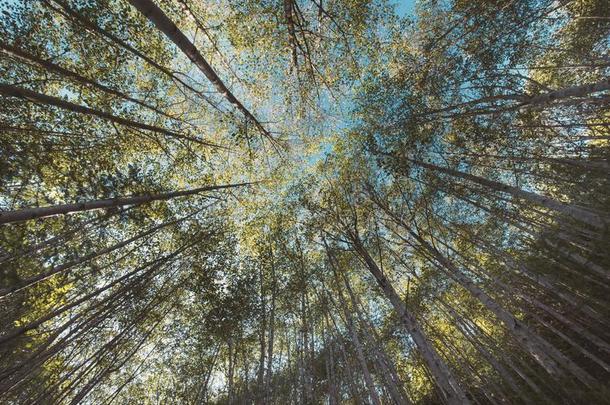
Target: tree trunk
[
  {"x": 66, "y": 266},
  {"x": 260, "y": 391},
  {"x": 151, "y": 11},
  {"x": 271, "y": 329},
  {"x": 231, "y": 369},
  {"x": 399, "y": 396},
  {"x": 117, "y": 41},
  {"x": 573, "y": 211},
  {"x": 52, "y": 67},
  {"x": 442, "y": 375},
  {"x": 573, "y": 91},
  {"x": 39, "y": 98},
  {"x": 42, "y": 212},
  {"x": 544, "y": 353},
  {"x": 357, "y": 345}
]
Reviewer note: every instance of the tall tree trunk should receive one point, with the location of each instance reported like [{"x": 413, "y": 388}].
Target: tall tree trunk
[
  {"x": 66, "y": 10},
  {"x": 374, "y": 397},
  {"x": 357, "y": 398},
  {"x": 260, "y": 391},
  {"x": 42, "y": 212},
  {"x": 573, "y": 91},
  {"x": 83, "y": 259},
  {"x": 151, "y": 11},
  {"x": 442, "y": 375},
  {"x": 52, "y": 67},
  {"x": 397, "y": 392},
  {"x": 152, "y": 267},
  {"x": 330, "y": 365},
  {"x": 271, "y": 329},
  {"x": 546, "y": 354},
  {"x": 39, "y": 98},
  {"x": 588, "y": 217},
  {"x": 231, "y": 369},
  {"x": 203, "y": 390},
  {"x": 349, "y": 322}
]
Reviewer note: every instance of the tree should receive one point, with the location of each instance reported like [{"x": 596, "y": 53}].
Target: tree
[{"x": 304, "y": 201}]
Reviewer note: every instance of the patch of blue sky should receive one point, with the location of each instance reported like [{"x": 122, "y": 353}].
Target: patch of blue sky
[{"x": 405, "y": 8}]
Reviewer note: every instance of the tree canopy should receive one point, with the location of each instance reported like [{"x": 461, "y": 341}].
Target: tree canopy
[{"x": 304, "y": 202}]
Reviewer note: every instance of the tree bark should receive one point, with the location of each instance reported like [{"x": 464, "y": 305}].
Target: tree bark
[
  {"x": 52, "y": 67},
  {"x": 443, "y": 376},
  {"x": 151, "y": 11},
  {"x": 269, "y": 374},
  {"x": 544, "y": 353},
  {"x": 39, "y": 98},
  {"x": 573, "y": 211},
  {"x": 43, "y": 212}
]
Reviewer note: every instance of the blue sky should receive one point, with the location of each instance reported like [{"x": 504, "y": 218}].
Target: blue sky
[{"x": 404, "y": 7}]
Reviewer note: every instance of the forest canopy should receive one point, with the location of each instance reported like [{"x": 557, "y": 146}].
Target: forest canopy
[{"x": 304, "y": 202}]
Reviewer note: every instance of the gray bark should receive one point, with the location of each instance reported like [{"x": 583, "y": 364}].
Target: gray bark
[
  {"x": 581, "y": 214},
  {"x": 39, "y": 98},
  {"x": 43, "y": 212},
  {"x": 151, "y": 11},
  {"x": 443, "y": 376}
]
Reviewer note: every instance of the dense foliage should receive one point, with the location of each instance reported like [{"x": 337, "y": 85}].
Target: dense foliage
[{"x": 304, "y": 201}]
